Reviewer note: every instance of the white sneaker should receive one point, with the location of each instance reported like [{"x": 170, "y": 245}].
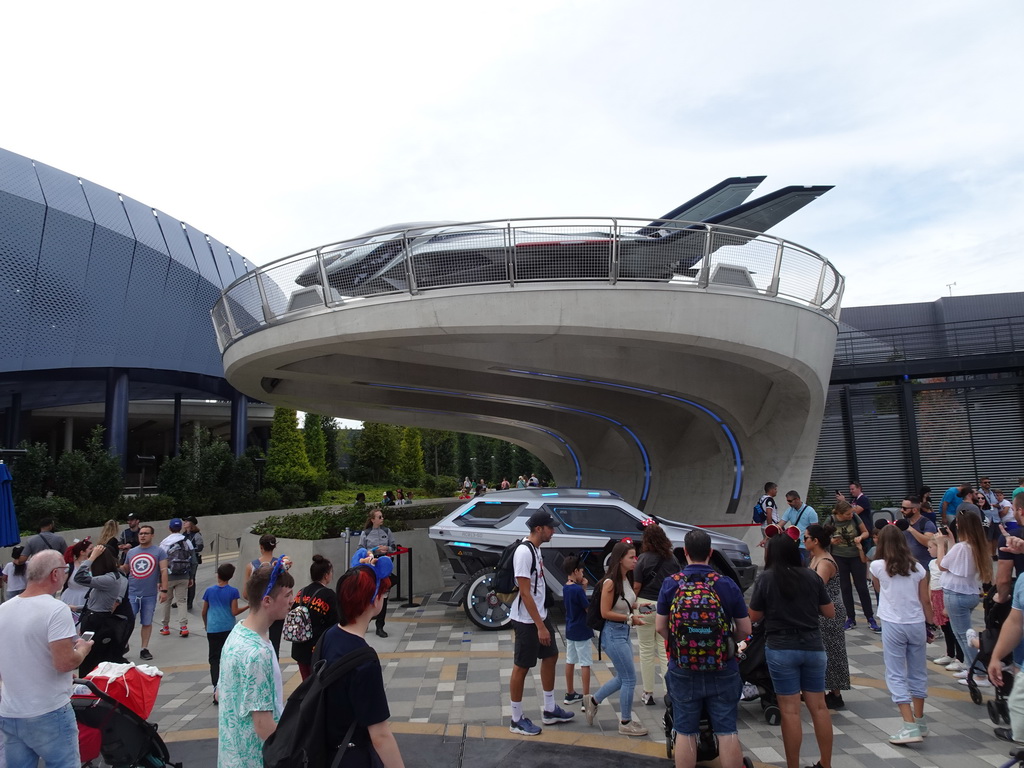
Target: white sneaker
[
  {"x": 943, "y": 660},
  {"x": 981, "y": 682},
  {"x": 962, "y": 675},
  {"x": 972, "y": 638},
  {"x": 956, "y": 666}
]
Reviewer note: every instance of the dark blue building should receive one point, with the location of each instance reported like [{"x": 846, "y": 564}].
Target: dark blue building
[{"x": 104, "y": 299}]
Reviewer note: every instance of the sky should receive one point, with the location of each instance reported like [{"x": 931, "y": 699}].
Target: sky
[{"x": 277, "y": 128}]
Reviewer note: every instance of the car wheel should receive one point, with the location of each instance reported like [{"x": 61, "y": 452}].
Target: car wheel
[{"x": 483, "y": 607}]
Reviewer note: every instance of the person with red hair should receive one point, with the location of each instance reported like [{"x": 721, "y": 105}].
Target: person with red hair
[{"x": 359, "y": 697}]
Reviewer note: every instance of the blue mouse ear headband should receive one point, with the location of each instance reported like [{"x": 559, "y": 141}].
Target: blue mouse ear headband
[{"x": 381, "y": 570}]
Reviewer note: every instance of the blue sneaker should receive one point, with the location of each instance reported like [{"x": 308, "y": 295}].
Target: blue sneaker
[
  {"x": 557, "y": 715},
  {"x": 524, "y": 727},
  {"x": 873, "y": 625},
  {"x": 572, "y": 698}
]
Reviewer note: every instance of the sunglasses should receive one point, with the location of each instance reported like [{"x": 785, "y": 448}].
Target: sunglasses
[{"x": 277, "y": 568}]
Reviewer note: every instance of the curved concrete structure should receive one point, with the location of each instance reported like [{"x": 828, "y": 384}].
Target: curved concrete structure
[{"x": 684, "y": 397}]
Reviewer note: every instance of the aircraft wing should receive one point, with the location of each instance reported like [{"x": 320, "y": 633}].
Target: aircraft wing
[
  {"x": 724, "y": 196},
  {"x": 765, "y": 212}
]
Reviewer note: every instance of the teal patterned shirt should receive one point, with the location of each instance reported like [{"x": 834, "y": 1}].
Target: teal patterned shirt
[{"x": 250, "y": 681}]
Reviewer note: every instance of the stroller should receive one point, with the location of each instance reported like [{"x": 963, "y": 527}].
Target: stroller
[
  {"x": 754, "y": 670},
  {"x": 126, "y": 740},
  {"x": 995, "y": 615}
]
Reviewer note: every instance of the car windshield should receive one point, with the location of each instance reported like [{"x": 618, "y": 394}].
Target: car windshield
[{"x": 595, "y": 518}]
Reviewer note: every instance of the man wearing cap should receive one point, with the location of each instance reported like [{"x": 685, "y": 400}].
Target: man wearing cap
[
  {"x": 534, "y": 635},
  {"x": 181, "y": 559},
  {"x": 129, "y": 536}
]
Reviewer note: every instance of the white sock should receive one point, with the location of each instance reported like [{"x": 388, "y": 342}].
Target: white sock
[
  {"x": 517, "y": 711},
  {"x": 549, "y": 701}
]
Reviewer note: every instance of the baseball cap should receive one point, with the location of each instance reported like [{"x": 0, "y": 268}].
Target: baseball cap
[
  {"x": 540, "y": 518},
  {"x": 132, "y": 516},
  {"x": 191, "y": 519},
  {"x": 175, "y": 524}
]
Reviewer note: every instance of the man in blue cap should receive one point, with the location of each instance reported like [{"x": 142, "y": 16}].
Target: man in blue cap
[{"x": 181, "y": 558}]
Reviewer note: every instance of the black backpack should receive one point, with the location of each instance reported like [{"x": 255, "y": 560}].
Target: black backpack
[
  {"x": 594, "y": 618},
  {"x": 299, "y": 740},
  {"x": 504, "y": 582}
]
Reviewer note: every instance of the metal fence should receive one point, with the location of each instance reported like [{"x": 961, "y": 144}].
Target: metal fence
[{"x": 421, "y": 258}]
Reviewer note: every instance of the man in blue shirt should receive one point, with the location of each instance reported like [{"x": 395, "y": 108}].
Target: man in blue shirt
[
  {"x": 951, "y": 500},
  {"x": 798, "y": 515},
  {"x": 716, "y": 690}
]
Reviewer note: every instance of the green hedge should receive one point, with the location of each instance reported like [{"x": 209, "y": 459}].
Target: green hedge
[{"x": 331, "y": 522}]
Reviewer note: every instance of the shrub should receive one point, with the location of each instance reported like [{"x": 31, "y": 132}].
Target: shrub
[
  {"x": 442, "y": 485},
  {"x": 148, "y": 507},
  {"x": 330, "y": 522},
  {"x": 292, "y": 495},
  {"x": 63, "y": 511},
  {"x": 269, "y": 498}
]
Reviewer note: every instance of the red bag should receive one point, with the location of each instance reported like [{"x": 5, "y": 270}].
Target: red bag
[{"x": 135, "y": 687}]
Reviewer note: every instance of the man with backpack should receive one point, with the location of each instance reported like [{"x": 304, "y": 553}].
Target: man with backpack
[
  {"x": 534, "y": 634},
  {"x": 702, "y": 615},
  {"x": 181, "y": 557}
]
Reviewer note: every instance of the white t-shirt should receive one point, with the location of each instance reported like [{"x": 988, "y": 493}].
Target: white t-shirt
[
  {"x": 961, "y": 572},
  {"x": 935, "y": 576},
  {"x": 15, "y": 583},
  {"x": 898, "y": 600},
  {"x": 522, "y": 565},
  {"x": 31, "y": 685}
]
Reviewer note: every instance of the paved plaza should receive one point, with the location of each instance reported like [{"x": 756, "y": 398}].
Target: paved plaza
[{"x": 447, "y": 685}]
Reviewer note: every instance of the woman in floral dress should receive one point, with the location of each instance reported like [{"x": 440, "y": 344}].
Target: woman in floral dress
[{"x": 837, "y": 671}]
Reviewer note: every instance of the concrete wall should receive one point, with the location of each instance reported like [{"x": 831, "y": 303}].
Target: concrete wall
[{"x": 613, "y": 362}]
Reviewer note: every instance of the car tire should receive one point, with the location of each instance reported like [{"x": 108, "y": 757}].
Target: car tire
[{"x": 483, "y": 607}]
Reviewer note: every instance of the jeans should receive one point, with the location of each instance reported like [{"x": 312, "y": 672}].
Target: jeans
[
  {"x": 693, "y": 692},
  {"x": 793, "y": 670},
  {"x": 616, "y": 644},
  {"x": 853, "y": 568},
  {"x": 958, "y": 608},
  {"x": 52, "y": 737},
  {"x": 906, "y": 664}
]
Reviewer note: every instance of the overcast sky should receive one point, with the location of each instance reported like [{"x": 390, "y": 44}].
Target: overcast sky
[{"x": 280, "y": 127}]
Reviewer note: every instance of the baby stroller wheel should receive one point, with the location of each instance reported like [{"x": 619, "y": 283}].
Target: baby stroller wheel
[
  {"x": 670, "y": 745},
  {"x": 976, "y": 696},
  {"x": 993, "y": 712},
  {"x": 772, "y": 715},
  {"x": 1004, "y": 710},
  {"x": 747, "y": 763}
]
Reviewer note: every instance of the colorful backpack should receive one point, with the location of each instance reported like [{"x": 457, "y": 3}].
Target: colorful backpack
[{"x": 698, "y": 629}]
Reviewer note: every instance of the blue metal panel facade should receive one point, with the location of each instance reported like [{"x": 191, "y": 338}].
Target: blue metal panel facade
[{"x": 92, "y": 279}]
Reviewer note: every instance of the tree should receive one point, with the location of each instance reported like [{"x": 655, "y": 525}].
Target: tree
[
  {"x": 205, "y": 478},
  {"x": 32, "y": 474},
  {"x": 410, "y": 462},
  {"x": 464, "y": 456},
  {"x": 331, "y": 453},
  {"x": 504, "y": 467},
  {"x": 316, "y": 442},
  {"x": 378, "y": 449},
  {"x": 439, "y": 449},
  {"x": 287, "y": 463}
]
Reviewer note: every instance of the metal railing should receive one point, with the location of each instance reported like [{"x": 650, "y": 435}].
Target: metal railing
[
  {"x": 993, "y": 336},
  {"x": 426, "y": 257}
]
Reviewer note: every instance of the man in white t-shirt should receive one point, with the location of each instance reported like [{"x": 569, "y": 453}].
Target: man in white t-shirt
[
  {"x": 535, "y": 637},
  {"x": 41, "y": 650}
]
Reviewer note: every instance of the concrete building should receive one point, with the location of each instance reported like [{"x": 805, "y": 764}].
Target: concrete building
[{"x": 683, "y": 383}]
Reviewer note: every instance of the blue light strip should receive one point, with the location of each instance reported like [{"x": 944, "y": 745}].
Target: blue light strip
[{"x": 737, "y": 456}]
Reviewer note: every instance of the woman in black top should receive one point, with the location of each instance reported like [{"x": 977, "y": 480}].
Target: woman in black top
[
  {"x": 789, "y": 598},
  {"x": 322, "y": 604},
  {"x": 655, "y": 564},
  {"x": 359, "y": 696}
]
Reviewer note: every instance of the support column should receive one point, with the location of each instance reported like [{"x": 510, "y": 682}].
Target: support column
[
  {"x": 13, "y": 436},
  {"x": 910, "y": 419},
  {"x": 115, "y": 417},
  {"x": 69, "y": 434},
  {"x": 239, "y": 423},
  {"x": 177, "y": 424}
]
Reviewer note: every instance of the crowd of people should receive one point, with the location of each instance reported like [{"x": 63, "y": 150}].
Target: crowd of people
[{"x": 923, "y": 571}]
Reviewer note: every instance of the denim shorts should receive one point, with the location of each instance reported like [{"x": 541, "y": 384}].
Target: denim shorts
[
  {"x": 579, "y": 652},
  {"x": 794, "y": 671},
  {"x": 693, "y": 693},
  {"x": 143, "y": 606}
]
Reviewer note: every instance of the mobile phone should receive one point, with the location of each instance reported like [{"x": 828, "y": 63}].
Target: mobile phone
[
  {"x": 838, "y": 492},
  {"x": 943, "y": 530},
  {"x": 87, "y": 636}
]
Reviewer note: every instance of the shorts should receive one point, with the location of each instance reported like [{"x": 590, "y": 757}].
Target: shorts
[
  {"x": 528, "y": 648},
  {"x": 144, "y": 605},
  {"x": 795, "y": 670},
  {"x": 579, "y": 652},
  {"x": 694, "y": 692}
]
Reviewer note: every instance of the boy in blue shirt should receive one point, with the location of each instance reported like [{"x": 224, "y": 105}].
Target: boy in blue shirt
[
  {"x": 220, "y": 606},
  {"x": 578, "y": 635}
]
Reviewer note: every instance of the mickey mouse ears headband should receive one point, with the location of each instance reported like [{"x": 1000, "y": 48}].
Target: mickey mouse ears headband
[{"x": 381, "y": 569}]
